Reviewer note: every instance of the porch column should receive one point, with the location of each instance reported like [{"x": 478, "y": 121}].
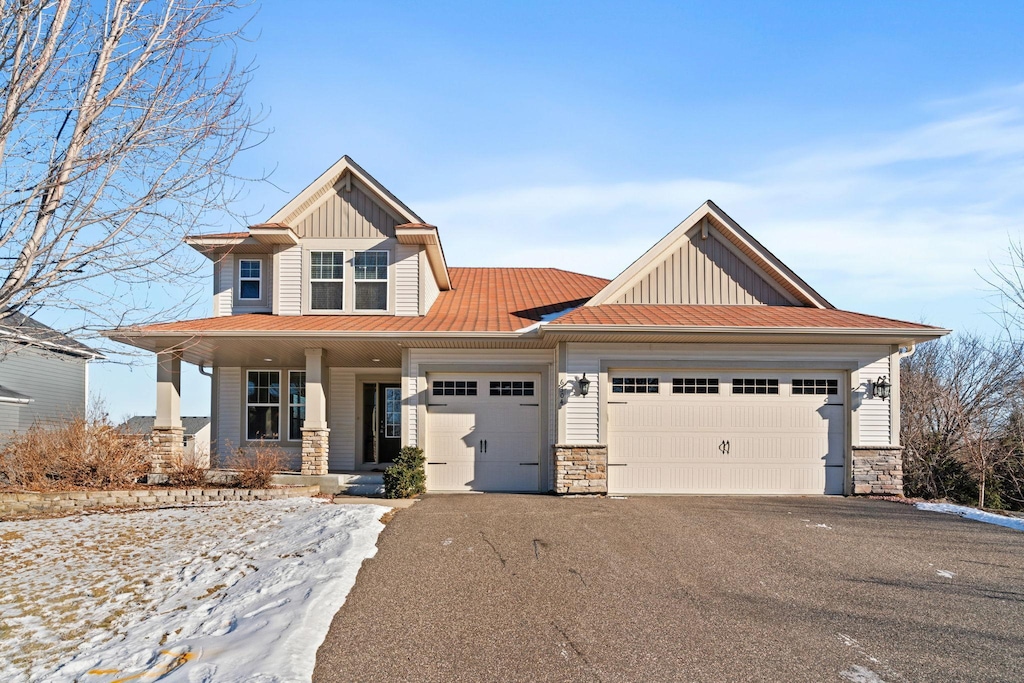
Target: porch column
[
  {"x": 168, "y": 433},
  {"x": 315, "y": 434}
]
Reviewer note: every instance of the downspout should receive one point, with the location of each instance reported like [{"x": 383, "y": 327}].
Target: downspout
[
  {"x": 909, "y": 351},
  {"x": 204, "y": 372}
]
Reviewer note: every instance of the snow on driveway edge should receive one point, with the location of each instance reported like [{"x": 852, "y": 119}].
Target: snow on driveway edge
[{"x": 973, "y": 513}]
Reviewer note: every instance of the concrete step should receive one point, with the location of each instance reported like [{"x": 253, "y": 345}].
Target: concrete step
[{"x": 366, "y": 484}]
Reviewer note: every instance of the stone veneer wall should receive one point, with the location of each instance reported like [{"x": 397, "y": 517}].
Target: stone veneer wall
[
  {"x": 166, "y": 447},
  {"x": 877, "y": 470},
  {"x": 70, "y": 501},
  {"x": 581, "y": 468},
  {"x": 315, "y": 447}
]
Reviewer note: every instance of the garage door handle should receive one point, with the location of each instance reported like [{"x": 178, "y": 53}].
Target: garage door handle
[
  {"x": 435, "y": 405},
  {"x": 529, "y": 463},
  {"x": 617, "y": 403},
  {"x": 530, "y": 404},
  {"x": 617, "y": 464}
]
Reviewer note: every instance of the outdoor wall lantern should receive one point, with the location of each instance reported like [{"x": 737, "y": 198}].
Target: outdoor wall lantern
[
  {"x": 569, "y": 386},
  {"x": 882, "y": 388},
  {"x": 584, "y": 384}
]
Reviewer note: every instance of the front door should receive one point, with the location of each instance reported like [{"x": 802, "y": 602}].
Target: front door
[{"x": 382, "y": 422}]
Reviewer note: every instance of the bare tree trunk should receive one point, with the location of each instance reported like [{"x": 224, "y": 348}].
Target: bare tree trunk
[{"x": 119, "y": 122}]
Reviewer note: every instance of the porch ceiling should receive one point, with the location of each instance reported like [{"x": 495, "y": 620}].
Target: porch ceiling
[{"x": 290, "y": 351}]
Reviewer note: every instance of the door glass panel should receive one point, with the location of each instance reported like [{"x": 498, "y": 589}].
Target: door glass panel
[{"x": 393, "y": 412}]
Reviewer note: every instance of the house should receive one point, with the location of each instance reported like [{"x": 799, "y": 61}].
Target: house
[
  {"x": 340, "y": 332},
  {"x": 195, "y": 434},
  {"x": 44, "y": 374}
]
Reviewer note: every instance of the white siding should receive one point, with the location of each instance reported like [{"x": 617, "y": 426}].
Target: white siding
[
  {"x": 342, "y": 419},
  {"x": 407, "y": 279},
  {"x": 429, "y": 287},
  {"x": 581, "y": 412},
  {"x": 288, "y": 272},
  {"x": 875, "y": 414},
  {"x": 57, "y": 382},
  {"x": 223, "y": 285},
  {"x": 229, "y": 410}
]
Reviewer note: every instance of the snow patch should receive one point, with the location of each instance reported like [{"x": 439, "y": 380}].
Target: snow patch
[
  {"x": 973, "y": 513},
  {"x": 861, "y": 674},
  {"x": 231, "y": 592},
  {"x": 945, "y": 573}
]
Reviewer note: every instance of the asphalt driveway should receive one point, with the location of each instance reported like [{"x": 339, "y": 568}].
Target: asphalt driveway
[{"x": 508, "y": 587}]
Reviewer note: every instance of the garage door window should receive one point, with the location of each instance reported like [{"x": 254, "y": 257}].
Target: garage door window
[
  {"x": 634, "y": 385},
  {"x": 511, "y": 388},
  {"x": 807, "y": 387},
  {"x": 755, "y": 386},
  {"x": 454, "y": 388},
  {"x": 694, "y": 385}
]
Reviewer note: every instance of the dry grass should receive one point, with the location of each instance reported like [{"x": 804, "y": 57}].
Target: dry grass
[
  {"x": 255, "y": 465},
  {"x": 76, "y": 453},
  {"x": 189, "y": 470}
]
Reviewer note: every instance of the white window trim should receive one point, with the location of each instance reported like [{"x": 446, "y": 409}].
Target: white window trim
[
  {"x": 245, "y": 414},
  {"x": 386, "y": 281},
  {"x": 310, "y": 280},
  {"x": 294, "y": 405},
  {"x": 257, "y": 280}
]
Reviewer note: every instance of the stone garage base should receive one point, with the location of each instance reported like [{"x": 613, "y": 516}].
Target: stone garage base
[
  {"x": 877, "y": 471},
  {"x": 581, "y": 468}
]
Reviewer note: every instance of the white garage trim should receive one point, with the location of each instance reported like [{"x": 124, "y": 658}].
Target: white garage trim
[{"x": 769, "y": 442}]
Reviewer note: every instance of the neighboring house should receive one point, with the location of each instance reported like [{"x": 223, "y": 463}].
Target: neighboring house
[
  {"x": 195, "y": 437},
  {"x": 340, "y": 333},
  {"x": 44, "y": 374}
]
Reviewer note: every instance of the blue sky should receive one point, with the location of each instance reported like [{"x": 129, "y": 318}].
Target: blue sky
[{"x": 876, "y": 148}]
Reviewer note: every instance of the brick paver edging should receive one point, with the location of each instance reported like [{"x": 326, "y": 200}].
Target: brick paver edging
[{"x": 19, "y": 503}]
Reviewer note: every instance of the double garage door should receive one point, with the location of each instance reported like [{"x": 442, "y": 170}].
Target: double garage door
[
  {"x": 483, "y": 432},
  {"x": 725, "y": 432}
]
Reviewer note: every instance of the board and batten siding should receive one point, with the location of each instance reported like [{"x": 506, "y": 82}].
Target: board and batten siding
[
  {"x": 58, "y": 384},
  {"x": 407, "y": 279},
  {"x": 223, "y": 285},
  {"x": 703, "y": 271},
  {"x": 582, "y": 419},
  {"x": 348, "y": 213},
  {"x": 288, "y": 269},
  {"x": 228, "y": 409},
  {"x": 341, "y": 419},
  {"x": 875, "y": 413}
]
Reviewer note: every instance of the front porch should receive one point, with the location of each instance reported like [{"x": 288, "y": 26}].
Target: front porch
[{"x": 329, "y": 409}]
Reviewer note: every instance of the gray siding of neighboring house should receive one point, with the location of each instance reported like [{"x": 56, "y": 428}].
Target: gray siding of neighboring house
[{"x": 58, "y": 384}]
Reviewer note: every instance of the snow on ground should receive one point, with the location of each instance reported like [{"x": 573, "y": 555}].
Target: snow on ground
[
  {"x": 973, "y": 513},
  {"x": 228, "y": 592}
]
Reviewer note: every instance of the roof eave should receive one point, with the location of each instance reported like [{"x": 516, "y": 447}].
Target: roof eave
[{"x": 910, "y": 334}]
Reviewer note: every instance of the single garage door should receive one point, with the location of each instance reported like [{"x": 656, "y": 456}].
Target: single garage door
[
  {"x": 726, "y": 432},
  {"x": 483, "y": 432}
]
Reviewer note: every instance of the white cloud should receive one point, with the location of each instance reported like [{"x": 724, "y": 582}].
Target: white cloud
[{"x": 907, "y": 216}]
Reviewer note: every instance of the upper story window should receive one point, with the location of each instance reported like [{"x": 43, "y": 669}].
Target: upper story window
[
  {"x": 327, "y": 280},
  {"x": 371, "y": 275},
  {"x": 250, "y": 279}
]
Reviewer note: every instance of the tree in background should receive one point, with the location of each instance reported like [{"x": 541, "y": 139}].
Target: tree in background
[{"x": 119, "y": 123}]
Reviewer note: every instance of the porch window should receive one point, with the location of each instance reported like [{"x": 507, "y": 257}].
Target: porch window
[
  {"x": 249, "y": 279},
  {"x": 327, "y": 280},
  {"x": 371, "y": 270},
  {"x": 263, "y": 405},
  {"x": 296, "y": 403}
]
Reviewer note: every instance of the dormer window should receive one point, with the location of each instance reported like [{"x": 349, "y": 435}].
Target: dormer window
[
  {"x": 327, "y": 280},
  {"x": 250, "y": 279},
  {"x": 371, "y": 275}
]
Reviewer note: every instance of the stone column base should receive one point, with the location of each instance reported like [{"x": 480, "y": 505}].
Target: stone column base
[
  {"x": 878, "y": 470},
  {"x": 315, "y": 446},
  {"x": 166, "y": 448},
  {"x": 581, "y": 468}
]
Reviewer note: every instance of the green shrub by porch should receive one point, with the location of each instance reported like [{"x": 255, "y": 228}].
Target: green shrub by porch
[{"x": 407, "y": 477}]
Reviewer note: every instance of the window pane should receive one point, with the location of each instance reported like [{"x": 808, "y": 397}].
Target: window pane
[
  {"x": 372, "y": 296},
  {"x": 250, "y": 269},
  {"x": 262, "y": 422},
  {"x": 249, "y": 289},
  {"x": 296, "y": 416},
  {"x": 327, "y": 265},
  {"x": 371, "y": 265},
  {"x": 297, "y": 388},
  {"x": 327, "y": 296},
  {"x": 264, "y": 386}
]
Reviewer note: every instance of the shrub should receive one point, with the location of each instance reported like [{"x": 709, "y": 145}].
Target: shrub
[
  {"x": 75, "y": 453},
  {"x": 189, "y": 470},
  {"x": 407, "y": 477},
  {"x": 254, "y": 466}
]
